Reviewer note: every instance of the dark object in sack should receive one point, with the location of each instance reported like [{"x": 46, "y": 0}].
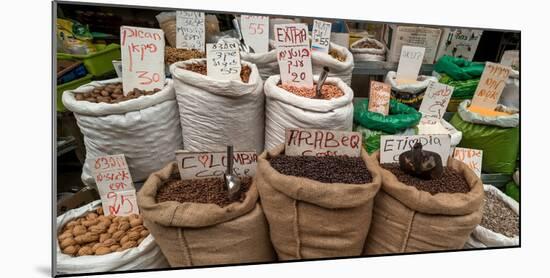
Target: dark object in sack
[
  {"x": 419, "y": 163},
  {"x": 412, "y": 100}
]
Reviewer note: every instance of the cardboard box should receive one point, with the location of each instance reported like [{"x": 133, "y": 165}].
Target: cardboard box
[
  {"x": 459, "y": 42},
  {"x": 84, "y": 196},
  {"x": 395, "y": 36}
]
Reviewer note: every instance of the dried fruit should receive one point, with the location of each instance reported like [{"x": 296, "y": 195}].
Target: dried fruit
[
  {"x": 79, "y": 230},
  {"x": 102, "y": 250},
  {"x": 118, "y": 235},
  {"x": 136, "y": 222},
  {"x": 114, "y": 247},
  {"x": 129, "y": 244},
  {"x": 70, "y": 250},
  {"x": 91, "y": 216},
  {"x": 109, "y": 242},
  {"x": 124, "y": 239},
  {"x": 124, "y": 226},
  {"x": 134, "y": 236},
  {"x": 67, "y": 242},
  {"x": 65, "y": 235},
  {"x": 103, "y": 237},
  {"x": 85, "y": 251},
  {"x": 144, "y": 233}
]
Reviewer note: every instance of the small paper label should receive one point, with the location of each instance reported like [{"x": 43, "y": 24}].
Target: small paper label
[
  {"x": 436, "y": 99},
  {"x": 114, "y": 184},
  {"x": 142, "y": 58},
  {"x": 471, "y": 157},
  {"x": 255, "y": 31},
  {"x": 223, "y": 60},
  {"x": 202, "y": 165},
  {"x": 409, "y": 65},
  {"x": 293, "y": 54},
  {"x": 492, "y": 82},
  {"x": 315, "y": 142},
  {"x": 379, "y": 97},
  {"x": 320, "y": 36},
  {"x": 393, "y": 146},
  {"x": 190, "y": 30}
]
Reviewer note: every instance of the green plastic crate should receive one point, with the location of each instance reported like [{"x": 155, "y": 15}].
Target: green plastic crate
[
  {"x": 70, "y": 86},
  {"x": 100, "y": 62}
]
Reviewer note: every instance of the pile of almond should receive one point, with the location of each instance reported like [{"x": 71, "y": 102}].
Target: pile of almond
[{"x": 97, "y": 234}]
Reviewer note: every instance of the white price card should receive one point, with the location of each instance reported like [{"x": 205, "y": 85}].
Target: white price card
[
  {"x": 436, "y": 99},
  {"x": 255, "y": 31},
  {"x": 320, "y": 36},
  {"x": 293, "y": 54},
  {"x": 114, "y": 184},
  {"x": 142, "y": 58},
  {"x": 392, "y": 146},
  {"x": 190, "y": 30},
  {"x": 316, "y": 142},
  {"x": 223, "y": 60},
  {"x": 492, "y": 82},
  {"x": 379, "y": 97},
  {"x": 202, "y": 165},
  {"x": 409, "y": 65},
  {"x": 471, "y": 157}
]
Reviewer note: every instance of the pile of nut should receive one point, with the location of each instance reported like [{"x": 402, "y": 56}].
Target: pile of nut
[
  {"x": 328, "y": 91},
  {"x": 97, "y": 234},
  {"x": 368, "y": 44},
  {"x": 201, "y": 68},
  {"x": 111, "y": 93},
  {"x": 336, "y": 55},
  {"x": 172, "y": 54}
]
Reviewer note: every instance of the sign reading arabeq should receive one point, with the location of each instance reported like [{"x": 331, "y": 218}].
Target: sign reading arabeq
[
  {"x": 202, "y": 165},
  {"x": 392, "y": 146},
  {"x": 316, "y": 142},
  {"x": 492, "y": 82},
  {"x": 379, "y": 97}
]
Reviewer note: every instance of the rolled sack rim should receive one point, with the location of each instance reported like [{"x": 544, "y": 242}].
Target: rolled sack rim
[
  {"x": 320, "y": 59},
  {"x": 421, "y": 85},
  {"x": 508, "y": 121}
]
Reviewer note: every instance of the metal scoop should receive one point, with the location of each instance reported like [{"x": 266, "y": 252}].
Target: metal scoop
[
  {"x": 232, "y": 182},
  {"x": 320, "y": 82},
  {"x": 242, "y": 46}
]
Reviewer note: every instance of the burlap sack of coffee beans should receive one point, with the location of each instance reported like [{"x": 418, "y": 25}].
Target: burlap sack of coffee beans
[
  {"x": 406, "y": 219},
  {"x": 309, "y": 219},
  {"x": 193, "y": 234}
]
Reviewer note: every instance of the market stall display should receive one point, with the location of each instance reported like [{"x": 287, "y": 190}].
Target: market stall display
[
  {"x": 285, "y": 109},
  {"x": 194, "y": 230},
  {"x": 411, "y": 214},
  {"x": 367, "y": 49},
  {"x": 497, "y": 136},
  {"x": 91, "y": 242},
  {"x": 173, "y": 55},
  {"x": 144, "y": 128},
  {"x": 217, "y": 113},
  {"x": 410, "y": 94},
  {"x": 339, "y": 60},
  {"x": 317, "y": 212}
]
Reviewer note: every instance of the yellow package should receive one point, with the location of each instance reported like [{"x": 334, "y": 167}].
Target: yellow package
[{"x": 74, "y": 37}]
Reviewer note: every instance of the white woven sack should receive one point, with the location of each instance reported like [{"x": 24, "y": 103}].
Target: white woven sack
[
  {"x": 287, "y": 110},
  {"x": 414, "y": 88},
  {"x": 368, "y": 54},
  {"x": 342, "y": 70},
  {"x": 493, "y": 239},
  {"x": 146, "y": 129},
  {"x": 216, "y": 113},
  {"x": 510, "y": 93},
  {"x": 145, "y": 256},
  {"x": 266, "y": 62},
  {"x": 511, "y": 120}
]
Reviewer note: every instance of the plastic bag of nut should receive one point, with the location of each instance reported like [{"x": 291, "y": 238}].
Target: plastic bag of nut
[
  {"x": 144, "y": 126},
  {"x": 146, "y": 255},
  {"x": 340, "y": 62}
]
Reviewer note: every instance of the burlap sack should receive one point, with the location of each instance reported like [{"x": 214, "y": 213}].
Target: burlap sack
[
  {"x": 406, "y": 219},
  {"x": 309, "y": 219},
  {"x": 192, "y": 234}
]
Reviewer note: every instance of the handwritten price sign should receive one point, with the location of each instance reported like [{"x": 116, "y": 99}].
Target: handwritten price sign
[
  {"x": 115, "y": 186},
  {"x": 256, "y": 32},
  {"x": 320, "y": 36},
  {"x": 492, "y": 82},
  {"x": 293, "y": 54},
  {"x": 409, "y": 65},
  {"x": 379, "y": 97},
  {"x": 201, "y": 165},
  {"x": 436, "y": 99},
  {"x": 315, "y": 142},
  {"x": 223, "y": 60},
  {"x": 392, "y": 146},
  {"x": 190, "y": 30},
  {"x": 471, "y": 157},
  {"x": 142, "y": 58}
]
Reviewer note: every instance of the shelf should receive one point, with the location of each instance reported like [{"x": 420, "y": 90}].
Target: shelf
[
  {"x": 381, "y": 68},
  {"x": 65, "y": 145}
]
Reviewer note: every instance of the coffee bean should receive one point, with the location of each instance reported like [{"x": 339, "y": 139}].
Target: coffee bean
[
  {"x": 498, "y": 217},
  {"x": 450, "y": 182},
  {"x": 327, "y": 169}
]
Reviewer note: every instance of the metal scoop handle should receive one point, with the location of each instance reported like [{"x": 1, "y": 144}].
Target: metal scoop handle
[
  {"x": 243, "y": 46},
  {"x": 321, "y": 82}
]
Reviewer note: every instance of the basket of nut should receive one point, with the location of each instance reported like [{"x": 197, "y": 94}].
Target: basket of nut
[
  {"x": 143, "y": 125},
  {"x": 89, "y": 241}
]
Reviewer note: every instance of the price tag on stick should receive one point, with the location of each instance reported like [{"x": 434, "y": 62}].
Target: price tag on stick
[
  {"x": 315, "y": 142},
  {"x": 436, "y": 99},
  {"x": 142, "y": 58},
  {"x": 392, "y": 146},
  {"x": 190, "y": 30},
  {"x": 293, "y": 54},
  {"x": 320, "y": 36},
  {"x": 409, "y": 65},
  {"x": 471, "y": 157},
  {"x": 492, "y": 82},
  {"x": 379, "y": 97},
  {"x": 114, "y": 184},
  {"x": 223, "y": 60},
  {"x": 255, "y": 31},
  {"x": 202, "y": 165}
]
